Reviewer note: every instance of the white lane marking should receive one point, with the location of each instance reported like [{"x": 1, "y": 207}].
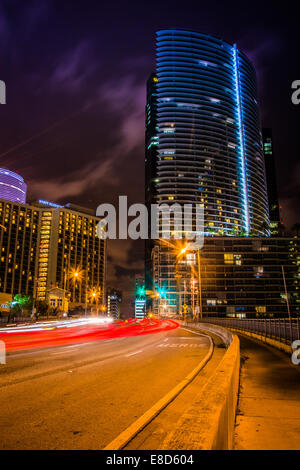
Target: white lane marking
[
  {"x": 195, "y": 332},
  {"x": 24, "y": 354},
  {"x": 185, "y": 337},
  {"x": 132, "y": 354},
  {"x": 182, "y": 345},
  {"x": 61, "y": 352}
]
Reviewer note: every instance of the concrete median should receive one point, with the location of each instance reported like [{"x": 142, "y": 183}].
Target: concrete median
[{"x": 208, "y": 424}]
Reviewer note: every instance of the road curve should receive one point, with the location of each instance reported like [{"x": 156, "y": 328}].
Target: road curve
[{"x": 81, "y": 396}]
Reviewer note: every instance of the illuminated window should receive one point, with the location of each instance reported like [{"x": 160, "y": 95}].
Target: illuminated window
[
  {"x": 260, "y": 309},
  {"x": 228, "y": 258}
]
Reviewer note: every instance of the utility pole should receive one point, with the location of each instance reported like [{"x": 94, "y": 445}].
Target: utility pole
[
  {"x": 287, "y": 302},
  {"x": 199, "y": 284},
  {"x": 34, "y": 296},
  {"x": 64, "y": 299},
  {"x": 286, "y": 293}
]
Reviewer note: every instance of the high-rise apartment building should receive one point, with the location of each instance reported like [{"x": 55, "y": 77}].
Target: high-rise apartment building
[
  {"x": 203, "y": 146},
  {"x": 12, "y": 186},
  {"x": 71, "y": 255},
  {"x": 203, "y": 139},
  {"x": 271, "y": 180}
]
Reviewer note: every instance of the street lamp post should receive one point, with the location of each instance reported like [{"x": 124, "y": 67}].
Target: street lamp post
[
  {"x": 199, "y": 284},
  {"x": 95, "y": 294},
  {"x": 287, "y": 302}
]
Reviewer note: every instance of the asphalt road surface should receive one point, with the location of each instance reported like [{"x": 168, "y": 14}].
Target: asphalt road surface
[{"x": 81, "y": 396}]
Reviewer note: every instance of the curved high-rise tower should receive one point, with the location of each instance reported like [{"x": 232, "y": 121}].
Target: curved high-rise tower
[
  {"x": 203, "y": 139},
  {"x": 12, "y": 186}
]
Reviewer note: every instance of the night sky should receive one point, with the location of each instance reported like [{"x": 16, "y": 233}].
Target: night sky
[{"x": 75, "y": 73}]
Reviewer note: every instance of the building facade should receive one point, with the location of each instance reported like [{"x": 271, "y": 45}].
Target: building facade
[
  {"x": 204, "y": 146},
  {"x": 12, "y": 186},
  {"x": 140, "y": 308},
  {"x": 71, "y": 254},
  {"x": 203, "y": 139},
  {"x": 239, "y": 276},
  {"x": 45, "y": 246},
  {"x": 19, "y": 247}
]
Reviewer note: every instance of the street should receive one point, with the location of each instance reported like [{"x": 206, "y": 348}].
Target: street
[{"x": 81, "y": 396}]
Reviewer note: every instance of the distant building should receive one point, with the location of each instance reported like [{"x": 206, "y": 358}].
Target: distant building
[
  {"x": 140, "y": 308},
  {"x": 12, "y": 186},
  {"x": 45, "y": 246},
  {"x": 19, "y": 247},
  {"x": 271, "y": 179},
  {"x": 114, "y": 298}
]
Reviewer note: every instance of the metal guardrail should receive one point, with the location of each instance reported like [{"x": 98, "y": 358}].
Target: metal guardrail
[{"x": 282, "y": 329}]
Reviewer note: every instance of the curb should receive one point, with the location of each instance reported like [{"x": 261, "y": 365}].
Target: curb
[{"x": 208, "y": 424}]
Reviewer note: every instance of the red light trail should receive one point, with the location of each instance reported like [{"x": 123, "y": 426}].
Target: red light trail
[{"x": 50, "y": 334}]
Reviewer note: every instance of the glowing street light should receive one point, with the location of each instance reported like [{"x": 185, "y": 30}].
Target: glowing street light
[{"x": 76, "y": 274}]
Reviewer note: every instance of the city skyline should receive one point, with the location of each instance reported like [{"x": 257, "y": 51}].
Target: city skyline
[
  {"x": 149, "y": 230},
  {"x": 84, "y": 107}
]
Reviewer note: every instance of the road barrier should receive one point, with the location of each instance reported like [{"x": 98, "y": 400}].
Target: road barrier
[
  {"x": 208, "y": 424},
  {"x": 277, "y": 332}
]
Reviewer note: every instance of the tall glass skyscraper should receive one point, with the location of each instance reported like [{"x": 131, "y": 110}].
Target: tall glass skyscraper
[
  {"x": 203, "y": 145},
  {"x": 12, "y": 186},
  {"x": 203, "y": 139}
]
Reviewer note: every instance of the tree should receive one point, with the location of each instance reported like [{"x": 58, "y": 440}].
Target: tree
[
  {"x": 24, "y": 303},
  {"x": 42, "y": 308},
  {"x": 14, "y": 311}
]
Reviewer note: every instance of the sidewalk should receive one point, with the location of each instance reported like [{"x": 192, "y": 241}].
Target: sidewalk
[{"x": 268, "y": 414}]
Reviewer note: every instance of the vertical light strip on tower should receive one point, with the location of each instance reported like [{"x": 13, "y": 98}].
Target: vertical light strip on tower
[{"x": 241, "y": 139}]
